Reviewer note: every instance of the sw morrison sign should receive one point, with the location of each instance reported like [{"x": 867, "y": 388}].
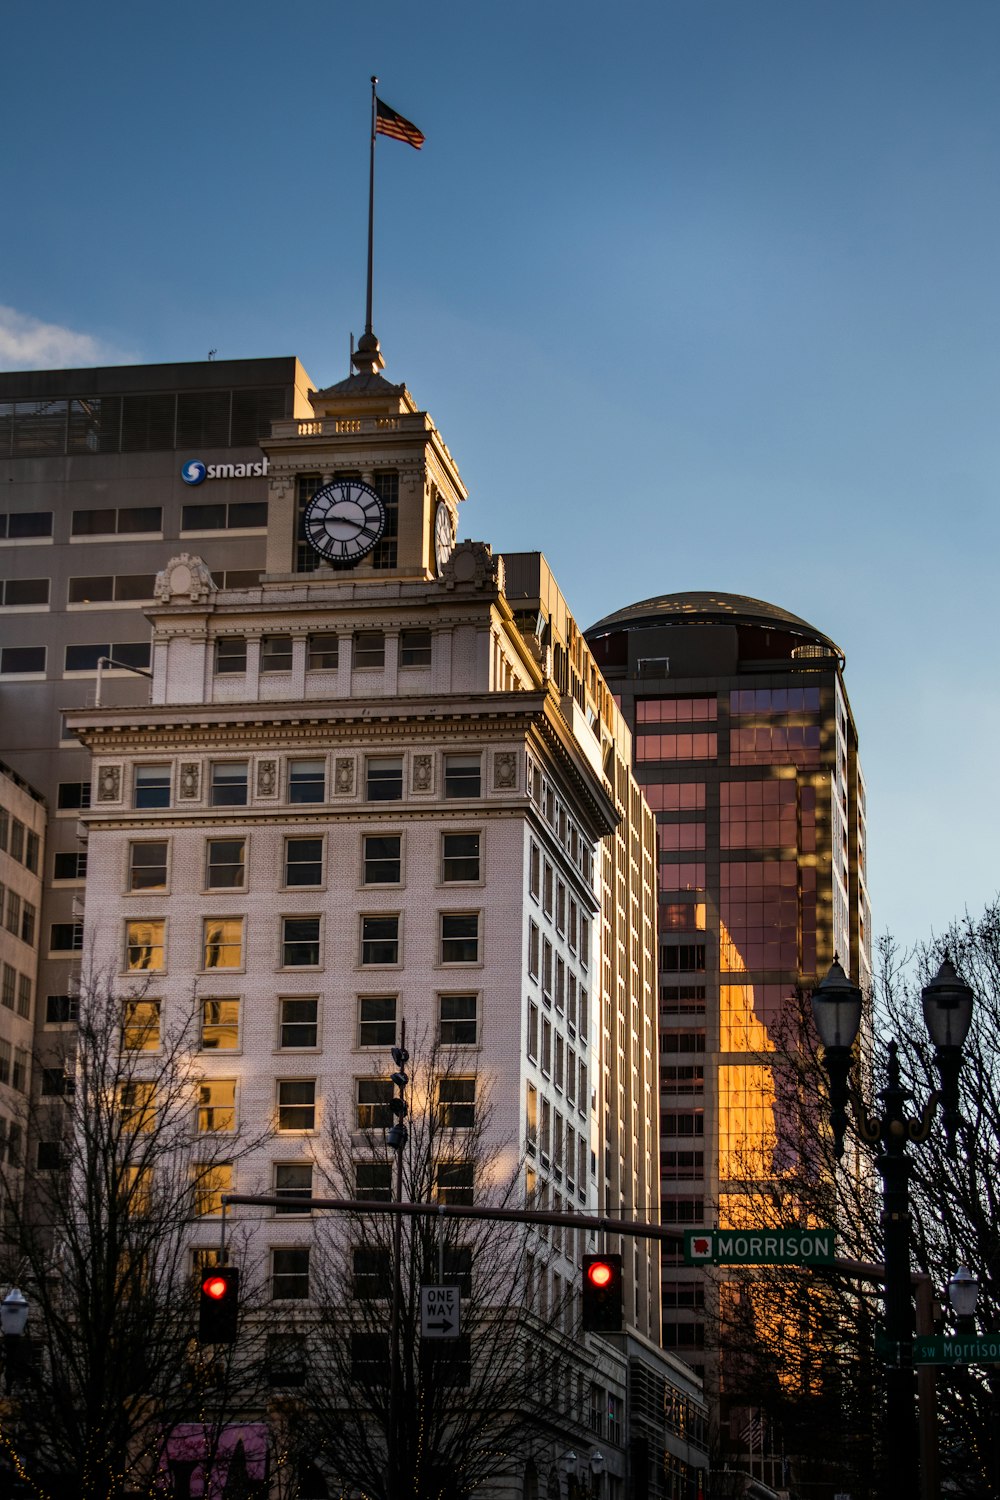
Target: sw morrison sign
[{"x": 766, "y": 1247}]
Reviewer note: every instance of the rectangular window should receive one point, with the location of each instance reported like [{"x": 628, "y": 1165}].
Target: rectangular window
[
  {"x": 293, "y": 1182},
  {"x": 384, "y": 779},
  {"x": 298, "y": 1022},
  {"x": 373, "y": 1096},
  {"x": 533, "y": 950},
  {"x": 141, "y": 1025},
  {"x": 138, "y": 1107},
  {"x": 69, "y": 867},
  {"x": 373, "y": 1181},
  {"x": 460, "y": 856},
  {"x": 66, "y": 937},
  {"x": 20, "y": 525},
  {"x": 322, "y": 652},
  {"x": 152, "y": 786},
  {"x": 458, "y": 1023},
  {"x": 31, "y": 849},
  {"x": 225, "y": 864},
  {"x": 144, "y": 942},
  {"x": 376, "y": 1020},
  {"x": 210, "y": 1182},
  {"x": 369, "y": 649},
  {"x": 230, "y": 782},
  {"x": 676, "y": 747},
  {"x": 22, "y": 659},
  {"x": 383, "y": 861},
  {"x": 462, "y": 775},
  {"x": 217, "y": 1106},
  {"x": 24, "y": 995},
  {"x": 534, "y": 871},
  {"x": 147, "y": 866},
  {"x": 240, "y": 516},
  {"x": 454, "y": 1182},
  {"x": 61, "y": 1010},
  {"x": 372, "y": 1273},
  {"x": 8, "y": 987},
  {"x": 21, "y": 591},
  {"x": 297, "y": 1104},
  {"x": 73, "y": 794},
  {"x": 28, "y": 915},
  {"x": 223, "y": 942},
  {"x": 415, "y": 648},
  {"x": 50, "y": 1156},
  {"x": 307, "y": 781},
  {"x": 303, "y": 862},
  {"x": 370, "y": 1354},
  {"x": 460, "y": 937},
  {"x": 87, "y": 658},
  {"x": 290, "y": 1275},
  {"x": 379, "y": 940},
  {"x": 230, "y": 655},
  {"x": 681, "y": 958},
  {"x": 220, "y": 1025},
  {"x": 456, "y": 1103},
  {"x": 276, "y": 653},
  {"x": 300, "y": 938}
]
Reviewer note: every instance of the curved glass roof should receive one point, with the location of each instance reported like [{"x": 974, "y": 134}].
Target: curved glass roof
[{"x": 708, "y": 609}]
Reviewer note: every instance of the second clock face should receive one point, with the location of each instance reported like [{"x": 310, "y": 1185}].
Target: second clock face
[
  {"x": 344, "y": 520},
  {"x": 444, "y": 536}
]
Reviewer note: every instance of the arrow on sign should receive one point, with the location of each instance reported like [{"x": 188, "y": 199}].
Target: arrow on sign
[{"x": 447, "y": 1326}]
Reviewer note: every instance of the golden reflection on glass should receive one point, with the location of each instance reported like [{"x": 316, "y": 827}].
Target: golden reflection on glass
[{"x": 747, "y": 1135}]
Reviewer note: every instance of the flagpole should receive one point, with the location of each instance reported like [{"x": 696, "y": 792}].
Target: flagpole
[{"x": 371, "y": 214}]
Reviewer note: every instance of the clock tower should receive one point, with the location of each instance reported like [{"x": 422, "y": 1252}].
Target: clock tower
[{"x": 364, "y": 486}]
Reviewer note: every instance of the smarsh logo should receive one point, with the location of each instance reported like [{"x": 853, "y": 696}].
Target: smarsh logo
[{"x": 195, "y": 472}]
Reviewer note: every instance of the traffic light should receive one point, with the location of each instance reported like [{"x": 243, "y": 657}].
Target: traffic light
[
  {"x": 397, "y": 1132},
  {"x": 602, "y": 1293},
  {"x": 219, "y": 1305}
]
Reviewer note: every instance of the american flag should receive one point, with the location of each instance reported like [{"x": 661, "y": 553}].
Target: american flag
[{"x": 387, "y": 122}]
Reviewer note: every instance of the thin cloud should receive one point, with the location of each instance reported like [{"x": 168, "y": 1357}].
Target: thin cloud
[{"x": 27, "y": 343}]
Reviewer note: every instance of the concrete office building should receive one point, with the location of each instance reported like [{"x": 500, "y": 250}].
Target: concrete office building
[
  {"x": 376, "y": 773},
  {"x": 94, "y": 496},
  {"x": 747, "y": 751},
  {"x": 22, "y": 852}
]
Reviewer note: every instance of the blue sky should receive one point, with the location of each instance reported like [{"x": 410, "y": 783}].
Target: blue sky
[{"x": 703, "y": 294}]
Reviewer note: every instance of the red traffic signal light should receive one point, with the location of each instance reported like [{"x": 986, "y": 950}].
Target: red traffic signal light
[
  {"x": 602, "y": 1293},
  {"x": 219, "y": 1305}
]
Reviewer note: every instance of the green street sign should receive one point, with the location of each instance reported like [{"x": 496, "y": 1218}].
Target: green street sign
[
  {"x": 758, "y": 1247},
  {"x": 957, "y": 1349}
]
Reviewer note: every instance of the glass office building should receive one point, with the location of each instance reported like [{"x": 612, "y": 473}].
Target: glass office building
[{"x": 747, "y": 752}]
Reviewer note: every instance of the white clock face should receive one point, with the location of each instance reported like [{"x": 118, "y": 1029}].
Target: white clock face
[
  {"x": 444, "y": 535},
  {"x": 344, "y": 520}
]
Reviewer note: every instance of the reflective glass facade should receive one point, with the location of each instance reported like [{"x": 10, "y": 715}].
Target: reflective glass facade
[{"x": 747, "y": 753}]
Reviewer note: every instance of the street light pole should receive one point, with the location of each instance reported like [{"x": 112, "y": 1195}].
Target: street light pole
[{"x": 837, "y": 1008}]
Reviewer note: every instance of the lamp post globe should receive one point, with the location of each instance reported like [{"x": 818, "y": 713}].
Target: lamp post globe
[
  {"x": 14, "y": 1311},
  {"x": 963, "y": 1290}
]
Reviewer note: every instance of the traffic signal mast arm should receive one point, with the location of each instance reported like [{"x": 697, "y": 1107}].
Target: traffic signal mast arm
[{"x": 631, "y": 1227}]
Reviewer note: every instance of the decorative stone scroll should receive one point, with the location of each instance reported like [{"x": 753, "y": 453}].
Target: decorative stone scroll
[
  {"x": 267, "y": 778},
  {"x": 504, "y": 770},
  {"x": 189, "y": 781},
  {"x": 472, "y": 564},
  {"x": 343, "y": 775},
  {"x": 423, "y": 773},
  {"x": 185, "y": 579},
  {"x": 109, "y": 784}
]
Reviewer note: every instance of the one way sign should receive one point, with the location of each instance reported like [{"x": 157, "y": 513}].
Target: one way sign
[{"x": 440, "y": 1312}]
